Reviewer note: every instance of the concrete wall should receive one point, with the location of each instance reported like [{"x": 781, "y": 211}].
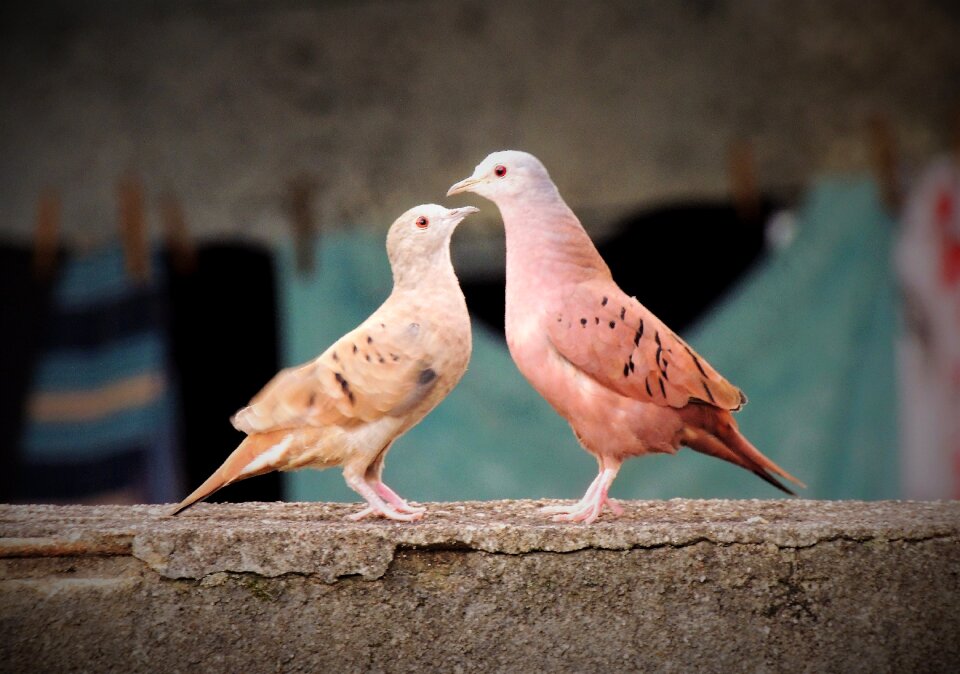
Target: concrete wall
[
  {"x": 677, "y": 586},
  {"x": 387, "y": 103}
]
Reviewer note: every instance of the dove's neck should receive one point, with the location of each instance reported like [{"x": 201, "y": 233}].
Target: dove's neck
[
  {"x": 546, "y": 243},
  {"x": 415, "y": 272}
]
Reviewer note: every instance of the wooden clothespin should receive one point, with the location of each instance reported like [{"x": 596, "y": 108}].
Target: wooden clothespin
[
  {"x": 183, "y": 254},
  {"x": 133, "y": 229},
  {"x": 300, "y": 191},
  {"x": 46, "y": 233},
  {"x": 744, "y": 188},
  {"x": 883, "y": 147}
]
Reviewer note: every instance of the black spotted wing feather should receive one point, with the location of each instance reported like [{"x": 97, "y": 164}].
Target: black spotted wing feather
[
  {"x": 621, "y": 344},
  {"x": 377, "y": 369}
]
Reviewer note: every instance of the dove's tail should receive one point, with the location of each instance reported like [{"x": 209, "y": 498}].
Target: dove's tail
[
  {"x": 724, "y": 441},
  {"x": 256, "y": 455}
]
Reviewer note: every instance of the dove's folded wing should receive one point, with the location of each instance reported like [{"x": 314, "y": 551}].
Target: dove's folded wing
[
  {"x": 377, "y": 369},
  {"x": 617, "y": 341}
]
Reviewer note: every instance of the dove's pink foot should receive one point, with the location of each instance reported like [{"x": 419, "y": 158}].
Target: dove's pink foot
[
  {"x": 385, "y": 511},
  {"x": 393, "y": 499},
  {"x": 588, "y": 508},
  {"x": 377, "y": 506}
]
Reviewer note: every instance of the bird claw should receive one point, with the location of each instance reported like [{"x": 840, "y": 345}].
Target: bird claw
[
  {"x": 587, "y": 515},
  {"x": 581, "y": 511},
  {"x": 560, "y": 509},
  {"x": 356, "y": 517},
  {"x": 389, "y": 513},
  {"x": 574, "y": 517},
  {"x": 588, "y": 508}
]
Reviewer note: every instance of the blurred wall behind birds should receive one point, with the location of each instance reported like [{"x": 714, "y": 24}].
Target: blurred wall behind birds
[{"x": 193, "y": 195}]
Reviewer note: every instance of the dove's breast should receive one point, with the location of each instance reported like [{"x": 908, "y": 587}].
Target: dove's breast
[
  {"x": 452, "y": 344},
  {"x": 441, "y": 339}
]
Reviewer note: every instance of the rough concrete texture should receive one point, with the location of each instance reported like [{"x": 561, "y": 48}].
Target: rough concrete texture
[{"x": 671, "y": 586}]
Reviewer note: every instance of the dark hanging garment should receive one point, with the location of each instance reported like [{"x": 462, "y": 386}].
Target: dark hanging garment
[
  {"x": 24, "y": 307},
  {"x": 224, "y": 346},
  {"x": 679, "y": 260}
]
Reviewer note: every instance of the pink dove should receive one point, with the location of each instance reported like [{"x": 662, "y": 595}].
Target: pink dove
[
  {"x": 624, "y": 381},
  {"x": 346, "y": 407}
]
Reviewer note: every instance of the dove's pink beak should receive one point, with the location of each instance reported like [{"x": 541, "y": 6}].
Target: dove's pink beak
[{"x": 462, "y": 186}]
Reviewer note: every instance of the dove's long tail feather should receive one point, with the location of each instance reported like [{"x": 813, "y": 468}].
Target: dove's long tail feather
[
  {"x": 238, "y": 466},
  {"x": 725, "y": 442}
]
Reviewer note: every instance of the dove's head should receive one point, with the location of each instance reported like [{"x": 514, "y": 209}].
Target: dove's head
[
  {"x": 422, "y": 234},
  {"x": 506, "y": 174}
]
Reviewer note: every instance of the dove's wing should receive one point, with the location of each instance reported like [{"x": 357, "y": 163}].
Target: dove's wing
[
  {"x": 380, "y": 368},
  {"x": 617, "y": 341}
]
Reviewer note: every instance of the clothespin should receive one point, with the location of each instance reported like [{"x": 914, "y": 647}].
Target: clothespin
[
  {"x": 46, "y": 233},
  {"x": 744, "y": 187},
  {"x": 133, "y": 229},
  {"x": 176, "y": 235},
  {"x": 884, "y": 158},
  {"x": 300, "y": 191}
]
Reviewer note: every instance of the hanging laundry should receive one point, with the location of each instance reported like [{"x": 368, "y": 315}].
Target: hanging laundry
[
  {"x": 223, "y": 328},
  {"x": 928, "y": 263},
  {"x": 100, "y": 416},
  {"x": 808, "y": 335},
  {"x": 24, "y": 306}
]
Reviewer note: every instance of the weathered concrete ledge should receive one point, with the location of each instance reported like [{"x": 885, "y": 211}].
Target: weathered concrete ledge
[{"x": 494, "y": 586}]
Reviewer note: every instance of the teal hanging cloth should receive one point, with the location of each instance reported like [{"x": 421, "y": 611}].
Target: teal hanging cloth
[{"x": 809, "y": 337}]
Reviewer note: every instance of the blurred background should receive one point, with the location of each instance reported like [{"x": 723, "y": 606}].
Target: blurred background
[{"x": 195, "y": 194}]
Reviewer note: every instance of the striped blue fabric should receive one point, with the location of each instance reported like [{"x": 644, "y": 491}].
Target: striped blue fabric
[
  {"x": 100, "y": 416},
  {"x": 66, "y": 368},
  {"x": 106, "y": 435}
]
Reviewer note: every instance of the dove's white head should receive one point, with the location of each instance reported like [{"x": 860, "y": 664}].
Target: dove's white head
[
  {"x": 544, "y": 237},
  {"x": 420, "y": 239},
  {"x": 506, "y": 174}
]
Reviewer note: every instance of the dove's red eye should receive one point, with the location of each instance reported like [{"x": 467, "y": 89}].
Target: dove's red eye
[
  {"x": 500, "y": 170},
  {"x": 422, "y": 222}
]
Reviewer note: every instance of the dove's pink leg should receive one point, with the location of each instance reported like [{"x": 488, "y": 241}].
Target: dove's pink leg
[
  {"x": 376, "y": 505},
  {"x": 393, "y": 499},
  {"x": 588, "y": 498},
  {"x": 591, "y": 505},
  {"x": 374, "y": 479},
  {"x": 553, "y": 510}
]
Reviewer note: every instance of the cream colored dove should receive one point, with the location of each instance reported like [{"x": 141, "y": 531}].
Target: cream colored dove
[
  {"x": 624, "y": 381},
  {"x": 346, "y": 407}
]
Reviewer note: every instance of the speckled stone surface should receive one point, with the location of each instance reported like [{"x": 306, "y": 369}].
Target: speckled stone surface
[{"x": 494, "y": 586}]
